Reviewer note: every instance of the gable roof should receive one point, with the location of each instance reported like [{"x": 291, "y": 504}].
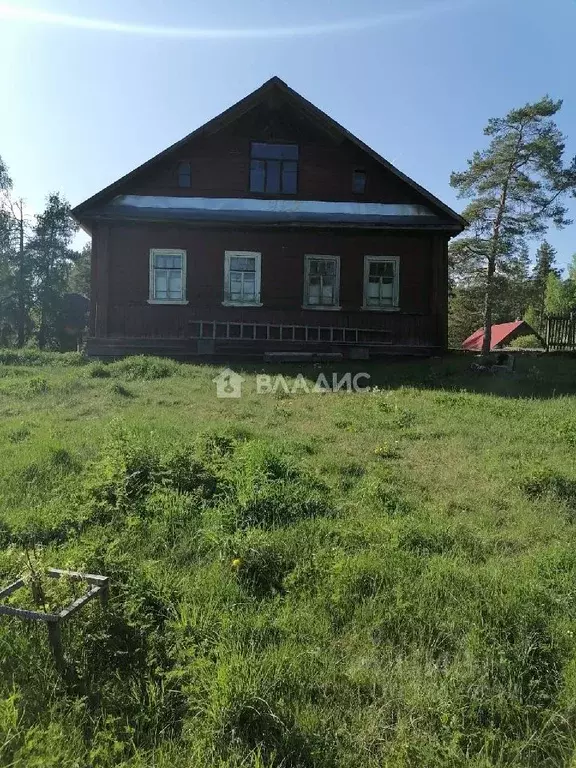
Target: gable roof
[
  {"x": 499, "y": 334},
  {"x": 244, "y": 105}
]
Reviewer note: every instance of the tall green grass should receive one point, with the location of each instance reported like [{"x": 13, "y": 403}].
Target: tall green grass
[{"x": 334, "y": 580}]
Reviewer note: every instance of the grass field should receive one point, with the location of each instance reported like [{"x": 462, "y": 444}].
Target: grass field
[{"x": 369, "y": 579}]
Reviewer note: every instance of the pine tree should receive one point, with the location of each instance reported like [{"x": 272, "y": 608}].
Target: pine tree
[{"x": 515, "y": 186}]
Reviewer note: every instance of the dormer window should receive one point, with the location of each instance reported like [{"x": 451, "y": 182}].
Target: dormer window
[
  {"x": 184, "y": 175},
  {"x": 358, "y": 181},
  {"x": 274, "y": 168}
]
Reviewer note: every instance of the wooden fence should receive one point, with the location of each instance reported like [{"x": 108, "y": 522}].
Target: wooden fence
[{"x": 561, "y": 332}]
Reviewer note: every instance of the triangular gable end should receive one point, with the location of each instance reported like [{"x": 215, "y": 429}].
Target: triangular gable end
[{"x": 242, "y": 107}]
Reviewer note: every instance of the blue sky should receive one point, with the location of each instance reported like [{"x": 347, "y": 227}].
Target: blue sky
[{"x": 416, "y": 79}]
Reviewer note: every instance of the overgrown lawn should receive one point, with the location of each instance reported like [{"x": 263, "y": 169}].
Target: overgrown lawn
[{"x": 368, "y": 579}]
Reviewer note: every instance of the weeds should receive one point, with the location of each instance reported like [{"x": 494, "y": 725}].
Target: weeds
[{"x": 339, "y": 594}]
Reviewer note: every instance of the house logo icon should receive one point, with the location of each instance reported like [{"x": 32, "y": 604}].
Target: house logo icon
[{"x": 228, "y": 383}]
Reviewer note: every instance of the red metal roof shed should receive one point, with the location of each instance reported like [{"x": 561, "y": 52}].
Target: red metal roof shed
[{"x": 501, "y": 333}]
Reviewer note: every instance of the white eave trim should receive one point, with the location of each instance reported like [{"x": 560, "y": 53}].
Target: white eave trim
[{"x": 255, "y": 206}]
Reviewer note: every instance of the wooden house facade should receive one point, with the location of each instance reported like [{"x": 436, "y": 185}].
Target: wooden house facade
[{"x": 270, "y": 228}]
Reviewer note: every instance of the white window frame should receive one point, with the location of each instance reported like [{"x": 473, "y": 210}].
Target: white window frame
[
  {"x": 322, "y": 307},
  {"x": 152, "y": 273},
  {"x": 228, "y": 255},
  {"x": 395, "y": 306}
]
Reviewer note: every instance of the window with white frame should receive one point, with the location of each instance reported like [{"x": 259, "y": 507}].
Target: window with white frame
[
  {"x": 322, "y": 282},
  {"x": 167, "y": 276},
  {"x": 242, "y": 278},
  {"x": 381, "y": 282}
]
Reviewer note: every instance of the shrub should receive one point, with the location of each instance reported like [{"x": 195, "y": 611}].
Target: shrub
[{"x": 526, "y": 342}]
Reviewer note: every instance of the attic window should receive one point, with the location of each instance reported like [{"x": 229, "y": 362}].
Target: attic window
[
  {"x": 184, "y": 175},
  {"x": 358, "y": 181},
  {"x": 274, "y": 168}
]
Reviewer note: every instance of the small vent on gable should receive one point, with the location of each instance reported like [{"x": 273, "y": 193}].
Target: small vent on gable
[
  {"x": 359, "y": 181},
  {"x": 184, "y": 174}
]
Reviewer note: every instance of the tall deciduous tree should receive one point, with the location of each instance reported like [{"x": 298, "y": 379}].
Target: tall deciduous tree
[
  {"x": 559, "y": 295},
  {"x": 545, "y": 264},
  {"x": 572, "y": 268},
  {"x": 52, "y": 259},
  {"x": 515, "y": 186}
]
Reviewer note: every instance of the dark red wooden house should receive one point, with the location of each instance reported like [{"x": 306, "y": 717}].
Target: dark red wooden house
[{"x": 271, "y": 228}]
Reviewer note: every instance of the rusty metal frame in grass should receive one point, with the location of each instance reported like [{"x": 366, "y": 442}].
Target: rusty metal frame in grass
[{"x": 98, "y": 588}]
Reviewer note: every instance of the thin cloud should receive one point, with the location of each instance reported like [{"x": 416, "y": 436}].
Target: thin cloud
[{"x": 36, "y": 16}]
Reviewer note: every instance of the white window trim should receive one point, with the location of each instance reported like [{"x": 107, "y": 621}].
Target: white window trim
[
  {"x": 321, "y": 307},
  {"x": 257, "y": 281},
  {"x": 166, "y": 252},
  {"x": 394, "y": 307}
]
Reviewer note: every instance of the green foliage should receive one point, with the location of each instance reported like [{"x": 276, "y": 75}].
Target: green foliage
[
  {"x": 544, "y": 266},
  {"x": 35, "y": 262},
  {"x": 36, "y": 357},
  {"x": 51, "y": 259},
  {"x": 136, "y": 368},
  {"x": 98, "y": 371},
  {"x": 527, "y": 342},
  {"x": 559, "y": 297},
  {"x": 532, "y": 318},
  {"x": 79, "y": 277},
  {"x": 268, "y": 490},
  {"x": 144, "y": 368},
  {"x": 515, "y": 187},
  {"x": 119, "y": 389},
  {"x": 511, "y": 297}
]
